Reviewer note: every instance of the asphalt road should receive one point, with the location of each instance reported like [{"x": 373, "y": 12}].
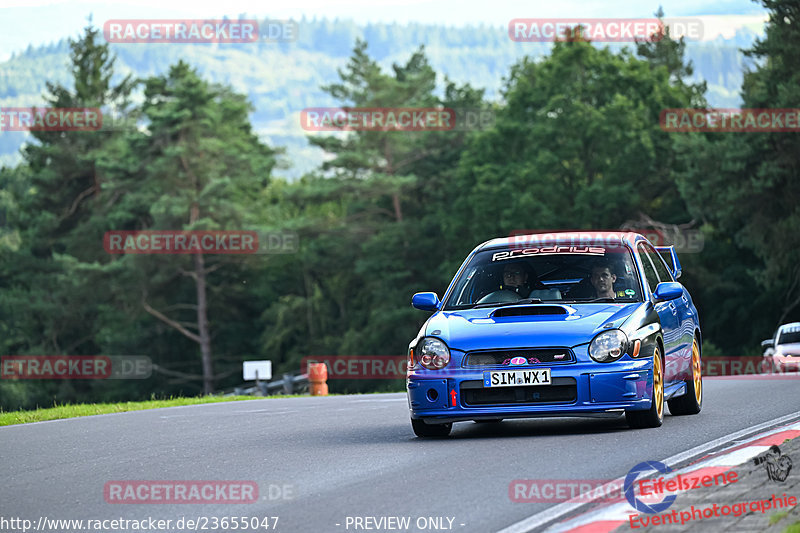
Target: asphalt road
[{"x": 345, "y": 456}]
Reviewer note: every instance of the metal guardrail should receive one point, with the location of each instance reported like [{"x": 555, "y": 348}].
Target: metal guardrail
[{"x": 289, "y": 384}]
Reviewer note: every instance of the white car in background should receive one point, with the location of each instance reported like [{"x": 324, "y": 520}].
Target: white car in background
[{"x": 782, "y": 352}]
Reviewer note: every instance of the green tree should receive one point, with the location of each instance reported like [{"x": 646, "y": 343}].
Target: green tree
[
  {"x": 370, "y": 219},
  {"x": 64, "y": 174},
  {"x": 745, "y": 184},
  {"x": 664, "y": 51},
  {"x": 578, "y": 144},
  {"x": 48, "y": 306},
  {"x": 200, "y": 167}
]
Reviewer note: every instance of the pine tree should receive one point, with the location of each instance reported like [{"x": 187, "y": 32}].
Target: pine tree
[
  {"x": 746, "y": 186},
  {"x": 64, "y": 174},
  {"x": 49, "y": 306},
  {"x": 200, "y": 167}
]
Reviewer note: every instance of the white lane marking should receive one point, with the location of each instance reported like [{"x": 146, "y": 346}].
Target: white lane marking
[
  {"x": 389, "y": 400},
  {"x": 237, "y": 413},
  {"x": 611, "y": 513},
  {"x": 736, "y": 457},
  {"x": 265, "y": 411},
  {"x": 540, "y": 519}
]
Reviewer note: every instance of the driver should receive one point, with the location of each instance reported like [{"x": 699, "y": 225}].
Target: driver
[{"x": 517, "y": 279}]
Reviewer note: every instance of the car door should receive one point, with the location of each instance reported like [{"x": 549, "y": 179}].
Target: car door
[
  {"x": 687, "y": 320},
  {"x": 668, "y": 316}
]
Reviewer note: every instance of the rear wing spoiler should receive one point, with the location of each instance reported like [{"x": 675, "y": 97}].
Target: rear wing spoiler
[{"x": 671, "y": 259}]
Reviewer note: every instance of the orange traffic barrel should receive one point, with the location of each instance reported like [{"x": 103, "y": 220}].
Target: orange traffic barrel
[{"x": 317, "y": 378}]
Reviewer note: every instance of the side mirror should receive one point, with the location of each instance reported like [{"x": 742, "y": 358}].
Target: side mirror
[
  {"x": 769, "y": 343},
  {"x": 668, "y": 290},
  {"x": 427, "y": 301}
]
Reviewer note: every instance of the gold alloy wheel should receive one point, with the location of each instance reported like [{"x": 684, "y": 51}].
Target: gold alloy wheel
[
  {"x": 697, "y": 375},
  {"x": 658, "y": 383}
]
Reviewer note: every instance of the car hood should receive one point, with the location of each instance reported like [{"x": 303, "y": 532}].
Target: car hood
[
  {"x": 559, "y": 325},
  {"x": 792, "y": 348}
]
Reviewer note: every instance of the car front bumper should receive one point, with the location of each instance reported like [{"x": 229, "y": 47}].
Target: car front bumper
[
  {"x": 785, "y": 363},
  {"x": 579, "y": 389}
]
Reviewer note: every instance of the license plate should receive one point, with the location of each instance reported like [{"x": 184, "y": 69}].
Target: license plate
[{"x": 515, "y": 378}]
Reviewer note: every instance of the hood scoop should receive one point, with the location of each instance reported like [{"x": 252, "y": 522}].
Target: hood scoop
[{"x": 528, "y": 310}]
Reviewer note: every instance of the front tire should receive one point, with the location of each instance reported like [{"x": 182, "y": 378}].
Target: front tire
[
  {"x": 421, "y": 429},
  {"x": 691, "y": 402},
  {"x": 653, "y": 417}
]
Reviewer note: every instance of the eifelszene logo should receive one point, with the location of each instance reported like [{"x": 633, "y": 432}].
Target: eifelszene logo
[{"x": 630, "y": 480}]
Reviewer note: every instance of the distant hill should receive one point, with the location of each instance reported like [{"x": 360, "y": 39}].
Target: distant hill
[{"x": 282, "y": 79}]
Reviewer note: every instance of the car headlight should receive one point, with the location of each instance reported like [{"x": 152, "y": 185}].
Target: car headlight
[
  {"x": 608, "y": 346},
  {"x": 432, "y": 353}
]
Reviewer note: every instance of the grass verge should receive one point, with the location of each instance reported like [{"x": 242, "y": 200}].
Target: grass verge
[
  {"x": 88, "y": 409},
  {"x": 777, "y": 517},
  {"x": 794, "y": 528}
]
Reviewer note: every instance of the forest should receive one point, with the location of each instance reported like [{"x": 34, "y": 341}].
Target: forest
[
  {"x": 575, "y": 143},
  {"x": 280, "y": 79}
]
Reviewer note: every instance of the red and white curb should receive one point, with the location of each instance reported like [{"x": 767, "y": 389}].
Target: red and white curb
[{"x": 612, "y": 515}]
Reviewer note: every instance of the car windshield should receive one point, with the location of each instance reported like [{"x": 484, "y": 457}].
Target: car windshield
[
  {"x": 789, "y": 337},
  {"x": 547, "y": 272}
]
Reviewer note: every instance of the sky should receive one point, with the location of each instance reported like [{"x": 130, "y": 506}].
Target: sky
[{"x": 24, "y": 22}]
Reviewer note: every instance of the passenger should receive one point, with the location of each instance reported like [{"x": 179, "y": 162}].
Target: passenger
[{"x": 603, "y": 279}]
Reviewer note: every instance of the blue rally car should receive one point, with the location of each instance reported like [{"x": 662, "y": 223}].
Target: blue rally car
[{"x": 564, "y": 324}]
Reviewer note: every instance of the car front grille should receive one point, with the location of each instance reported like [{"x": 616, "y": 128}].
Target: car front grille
[
  {"x": 562, "y": 390},
  {"x": 547, "y": 356}
]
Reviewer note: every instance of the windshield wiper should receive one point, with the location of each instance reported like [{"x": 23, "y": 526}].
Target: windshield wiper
[{"x": 503, "y": 304}]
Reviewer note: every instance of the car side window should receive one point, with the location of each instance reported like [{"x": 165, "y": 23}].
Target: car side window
[
  {"x": 649, "y": 271},
  {"x": 658, "y": 262}
]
